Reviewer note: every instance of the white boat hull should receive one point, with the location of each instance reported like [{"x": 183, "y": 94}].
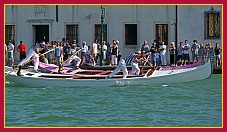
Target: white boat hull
[{"x": 159, "y": 77}]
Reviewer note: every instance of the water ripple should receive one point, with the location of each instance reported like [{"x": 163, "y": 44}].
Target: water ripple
[{"x": 187, "y": 104}]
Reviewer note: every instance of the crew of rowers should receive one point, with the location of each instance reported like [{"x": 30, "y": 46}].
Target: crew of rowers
[
  {"x": 64, "y": 54},
  {"x": 156, "y": 56}
]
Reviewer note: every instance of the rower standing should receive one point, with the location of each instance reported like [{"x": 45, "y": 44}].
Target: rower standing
[
  {"x": 120, "y": 67},
  {"x": 35, "y": 57},
  {"x": 135, "y": 64}
]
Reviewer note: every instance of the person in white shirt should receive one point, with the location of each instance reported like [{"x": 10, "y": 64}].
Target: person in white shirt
[
  {"x": 35, "y": 58},
  {"x": 95, "y": 52},
  {"x": 73, "y": 57},
  {"x": 120, "y": 67},
  {"x": 84, "y": 50},
  {"x": 104, "y": 50},
  {"x": 185, "y": 53},
  {"x": 135, "y": 65},
  {"x": 162, "y": 49},
  {"x": 10, "y": 49}
]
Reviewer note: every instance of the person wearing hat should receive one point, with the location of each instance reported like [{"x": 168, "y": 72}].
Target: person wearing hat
[
  {"x": 135, "y": 65},
  {"x": 140, "y": 57},
  {"x": 117, "y": 41}
]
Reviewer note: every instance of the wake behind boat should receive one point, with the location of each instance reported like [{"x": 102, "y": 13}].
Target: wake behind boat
[{"x": 97, "y": 78}]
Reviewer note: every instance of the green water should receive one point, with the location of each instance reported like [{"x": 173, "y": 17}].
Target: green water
[{"x": 196, "y": 104}]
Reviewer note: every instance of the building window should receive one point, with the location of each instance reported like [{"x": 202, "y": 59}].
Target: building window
[
  {"x": 130, "y": 34},
  {"x": 212, "y": 24},
  {"x": 162, "y": 33},
  {"x": 72, "y": 33},
  {"x": 10, "y": 33},
  {"x": 98, "y": 32}
]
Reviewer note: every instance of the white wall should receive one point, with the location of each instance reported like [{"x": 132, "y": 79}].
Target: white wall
[{"x": 191, "y": 23}]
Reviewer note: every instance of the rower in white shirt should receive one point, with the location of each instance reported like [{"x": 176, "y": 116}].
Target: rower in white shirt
[{"x": 120, "y": 67}]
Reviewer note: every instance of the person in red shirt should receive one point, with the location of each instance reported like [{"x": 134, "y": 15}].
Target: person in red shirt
[{"x": 21, "y": 48}]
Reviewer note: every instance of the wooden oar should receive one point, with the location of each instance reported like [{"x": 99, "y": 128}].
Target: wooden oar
[
  {"x": 27, "y": 62},
  {"x": 150, "y": 71},
  {"x": 71, "y": 56},
  {"x": 39, "y": 55},
  {"x": 147, "y": 59},
  {"x": 66, "y": 61},
  {"x": 48, "y": 51},
  {"x": 14, "y": 69}
]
